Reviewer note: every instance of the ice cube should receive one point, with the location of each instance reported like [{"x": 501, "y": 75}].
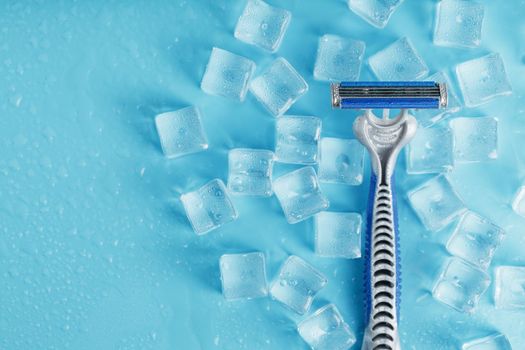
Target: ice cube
[
  {"x": 518, "y": 205},
  {"x": 338, "y": 235},
  {"x": 209, "y": 207},
  {"x": 325, "y": 329},
  {"x": 297, "y": 284},
  {"x": 458, "y": 23},
  {"x": 262, "y": 25},
  {"x": 338, "y": 58},
  {"x": 341, "y": 161},
  {"x": 398, "y": 62},
  {"x": 279, "y": 87},
  {"x": 475, "y": 139},
  {"x": 496, "y": 341},
  {"x": 483, "y": 79},
  {"x": 181, "y": 132},
  {"x": 243, "y": 276},
  {"x": 296, "y": 139},
  {"x": 375, "y": 12},
  {"x": 299, "y": 194},
  {"x": 250, "y": 171},
  {"x": 227, "y": 74},
  {"x": 460, "y": 285},
  {"x": 475, "y": 240},
  {"x": 429, "y": 117},
  {"x": 436, "y": 203},
  {"x": 431, "y": 150},
  {"x": 509, "y": 292}
]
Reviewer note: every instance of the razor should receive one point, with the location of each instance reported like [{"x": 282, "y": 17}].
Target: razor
[{"x": 384, "y": 138}]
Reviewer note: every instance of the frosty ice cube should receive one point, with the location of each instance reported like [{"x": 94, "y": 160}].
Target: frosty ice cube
[
  {"x": 509, "y": 292},
  {"x": 243, "y": 276},
  {"x": 297, "y": 284},
  {"x": 209, "y": 207},
  {"x": 482, "y": 79},
  {"x": 262, "y": 25},
  {"x": 181, "y": 132},
  {"x": 431, "y": 150},
  {"x": 436, "y": 203},
  {"x": 341, "y": 161},
  {"x": 429, "y": 117},
  {"x": 338, "y": 58},
  {"x": 460, "y": 285},
  {"x": 458, "y": 23},
  {"x": 279, "y": 87},
  {"x": 475, "y": 240},
  {"x": 338, "y": 235},
  {"x": 227, "y": 74},
  {"x": 475, "y": 139},
  {"x": 518, "y": 205},
  {"x": 375, "y": 12},
  {"x": 250, "y": 171},
  {"x": 325, "y": 329},
  {"x": 296, "y": 139},
  {"x": 299, "y": 194},
  {"x": 496, "y": 341},
  {"x": 398, "y": 62}
]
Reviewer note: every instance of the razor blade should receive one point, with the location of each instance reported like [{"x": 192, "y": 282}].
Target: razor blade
[
  {"x": 389, "y": 95},
  {"x": 384, "y": 138}
]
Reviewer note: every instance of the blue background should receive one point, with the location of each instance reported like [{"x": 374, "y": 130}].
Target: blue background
[{"x": 95, "y": 252}]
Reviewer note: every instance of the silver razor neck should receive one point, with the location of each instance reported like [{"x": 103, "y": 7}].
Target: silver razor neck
[{"x": 384, "y": 139}]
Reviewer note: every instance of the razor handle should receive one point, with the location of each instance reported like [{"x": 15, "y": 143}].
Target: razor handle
[
  {"x": 382, "y": 269},
  {"x": 384, "y": 138}
]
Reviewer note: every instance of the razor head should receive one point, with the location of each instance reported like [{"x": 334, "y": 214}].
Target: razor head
[{"x": 389, "y": 95}]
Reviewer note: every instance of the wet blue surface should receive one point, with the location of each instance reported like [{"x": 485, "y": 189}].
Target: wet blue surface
[{"x": 95, "y": 252}]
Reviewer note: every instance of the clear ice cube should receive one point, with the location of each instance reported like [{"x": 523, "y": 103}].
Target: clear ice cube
[
  {"x": 398, "y": 62},
  {"x": 209, "y": 207},
  {"x": 181, "y": 132},
  {"x": 341, "y": 161},
  {"x": 299, "y": 194},
  {"x": 297, "y": 284},
  {"x": 243, "y": 276},
  {"x": 279, "y": 87},
  {"x": 338, "y": 58},
  {"x": 460, "y": 285},
  {"x": 325, "y": 329},
  {"x": 250, "y": 171},
  {"x": 338, "y": 235},
  {"x": 429, "y": 117},
  {"x": 297, "y": 139},
  {"x": 458, "y": 23},
  {"x": 483, "y": 79},
  {"x": 375, "y": 12},
  {"x": 436, "y": 203},
  {"x": 518, "y": 204},
  {"x": 475, "y": 139},
  {"x": 227, "y": 74},
  {"x": 262, "y": 25},
  {"x": 496, "y": 341},
  {"x": 509, "y": 290},
  {"x": 475, "y": 240},
  {"x": 431, "y": 150}
]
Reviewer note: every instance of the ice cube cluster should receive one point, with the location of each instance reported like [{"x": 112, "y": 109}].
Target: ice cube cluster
[{"x": 443, "y": 141}]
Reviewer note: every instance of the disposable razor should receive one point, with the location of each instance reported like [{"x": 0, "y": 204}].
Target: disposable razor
[{"x": 384, "y": 138}]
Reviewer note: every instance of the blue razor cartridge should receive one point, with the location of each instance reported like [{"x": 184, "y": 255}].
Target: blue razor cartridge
[{"x": 389, "y": 95}]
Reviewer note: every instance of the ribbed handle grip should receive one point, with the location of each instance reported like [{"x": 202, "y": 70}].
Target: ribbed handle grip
[{"x": 382, "y": 274}]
